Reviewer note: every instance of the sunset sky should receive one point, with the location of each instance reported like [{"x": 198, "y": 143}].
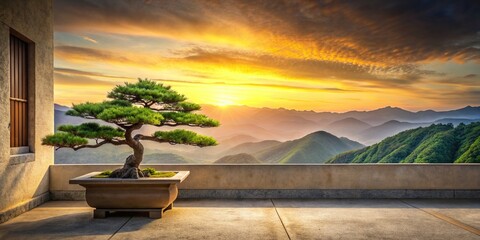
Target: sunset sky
[{"x": 305, "y": 55}]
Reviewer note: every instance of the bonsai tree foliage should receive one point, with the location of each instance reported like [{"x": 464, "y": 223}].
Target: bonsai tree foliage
[{"x": 133, "y": 105}]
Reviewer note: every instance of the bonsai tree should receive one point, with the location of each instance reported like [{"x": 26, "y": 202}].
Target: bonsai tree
[{"x": 133, "y": 105}]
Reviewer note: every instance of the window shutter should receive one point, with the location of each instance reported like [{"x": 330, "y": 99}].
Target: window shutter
[{"x": 18, "y": 92}]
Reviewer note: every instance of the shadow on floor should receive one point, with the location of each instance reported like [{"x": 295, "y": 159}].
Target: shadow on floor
[{"x": 66, "y": 224}]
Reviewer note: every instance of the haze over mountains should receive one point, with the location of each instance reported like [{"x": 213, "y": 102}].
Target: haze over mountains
[
  {"x": 360, "y": 126},
  {"x": 275, "y": 135}
]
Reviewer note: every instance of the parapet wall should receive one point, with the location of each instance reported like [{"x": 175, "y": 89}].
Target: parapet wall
[{"x": 302, "y": 181}]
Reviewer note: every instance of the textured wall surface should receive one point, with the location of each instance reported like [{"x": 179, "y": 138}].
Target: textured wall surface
[
  {"x": 335, "y": 176},
  {"x": 25, "y": 178}
]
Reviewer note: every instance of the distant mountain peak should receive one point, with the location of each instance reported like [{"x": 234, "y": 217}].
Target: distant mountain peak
[
  {"x": 349, "y": 120},
  {"x": 392, "y": 122},
  {"x": 468, "y": 109},
  {"x": 392, "y": 108},
  {"x": 315, "y": 147},
  {"x": 321, "y": 133},
  {"x": 61, "y": 107},
  {"x": 427, "y": 111}
]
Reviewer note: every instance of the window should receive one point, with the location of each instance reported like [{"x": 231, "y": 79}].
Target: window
[{"x": 18, "y": 92}]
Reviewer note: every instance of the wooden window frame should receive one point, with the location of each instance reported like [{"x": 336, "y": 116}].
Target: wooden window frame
[{"x": 26, "y": 125}]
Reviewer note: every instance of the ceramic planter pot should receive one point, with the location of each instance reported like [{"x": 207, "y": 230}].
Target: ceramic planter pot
[{"x": 154, "y": 195}]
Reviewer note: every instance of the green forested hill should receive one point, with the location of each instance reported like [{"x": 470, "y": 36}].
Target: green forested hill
[
  {"x": 316, "y": 147},
  {"x": 434, "y": 144}
]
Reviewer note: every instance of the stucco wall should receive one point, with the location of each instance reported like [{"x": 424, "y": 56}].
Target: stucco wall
[
  {"x": 301, "y": 177},
  {"x": 25, "y": 177}
]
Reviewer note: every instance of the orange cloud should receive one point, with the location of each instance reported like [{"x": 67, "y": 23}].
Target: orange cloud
[
  {"x": 352, "y": 33},
  {"x": 253, "y": 52}
]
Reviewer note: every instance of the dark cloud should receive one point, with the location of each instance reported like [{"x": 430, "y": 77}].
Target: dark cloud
[
  {"x": 79, "y": 80},
  {"x": 371, "y": 32},
  {"x": 470, "y": 76},
  {"x": 470, "y": 80},
  {"x": 69, "y": 71},
  {"x": 89, "y": 53},
  {"x": 456, "y": 97}
]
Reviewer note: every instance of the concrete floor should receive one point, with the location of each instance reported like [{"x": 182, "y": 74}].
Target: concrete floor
[{"x": 258, "y": 219}]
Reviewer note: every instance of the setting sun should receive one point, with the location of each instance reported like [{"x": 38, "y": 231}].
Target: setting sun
[
  {"x": 222, "y": 99},
  {"x": 224, "y": 102}
]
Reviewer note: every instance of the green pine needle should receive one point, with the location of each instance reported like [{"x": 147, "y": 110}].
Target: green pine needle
[
  {"x": 180, "y": 136},
  {"x": 131, "y": 115},
  {"x": 93, "y": 131},
  {"x": 63, "y": 139}
]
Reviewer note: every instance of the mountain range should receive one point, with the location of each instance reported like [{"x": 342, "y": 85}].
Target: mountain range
[
  {"x": 263, "y": 133},
  {"x": 441, "y": 143},
  {"x": 366, "y": 127}
]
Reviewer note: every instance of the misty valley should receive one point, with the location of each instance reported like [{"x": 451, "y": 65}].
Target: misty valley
[{"x": 262, "y": 135}]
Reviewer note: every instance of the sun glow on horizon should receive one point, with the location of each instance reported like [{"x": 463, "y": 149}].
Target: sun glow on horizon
[
  {"x": 223, "y": 97},
  {"x": 224, "y": 103}
]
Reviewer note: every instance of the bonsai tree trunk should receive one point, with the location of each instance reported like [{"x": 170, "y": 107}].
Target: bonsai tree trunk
[{"x": 131, "y": 167}]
